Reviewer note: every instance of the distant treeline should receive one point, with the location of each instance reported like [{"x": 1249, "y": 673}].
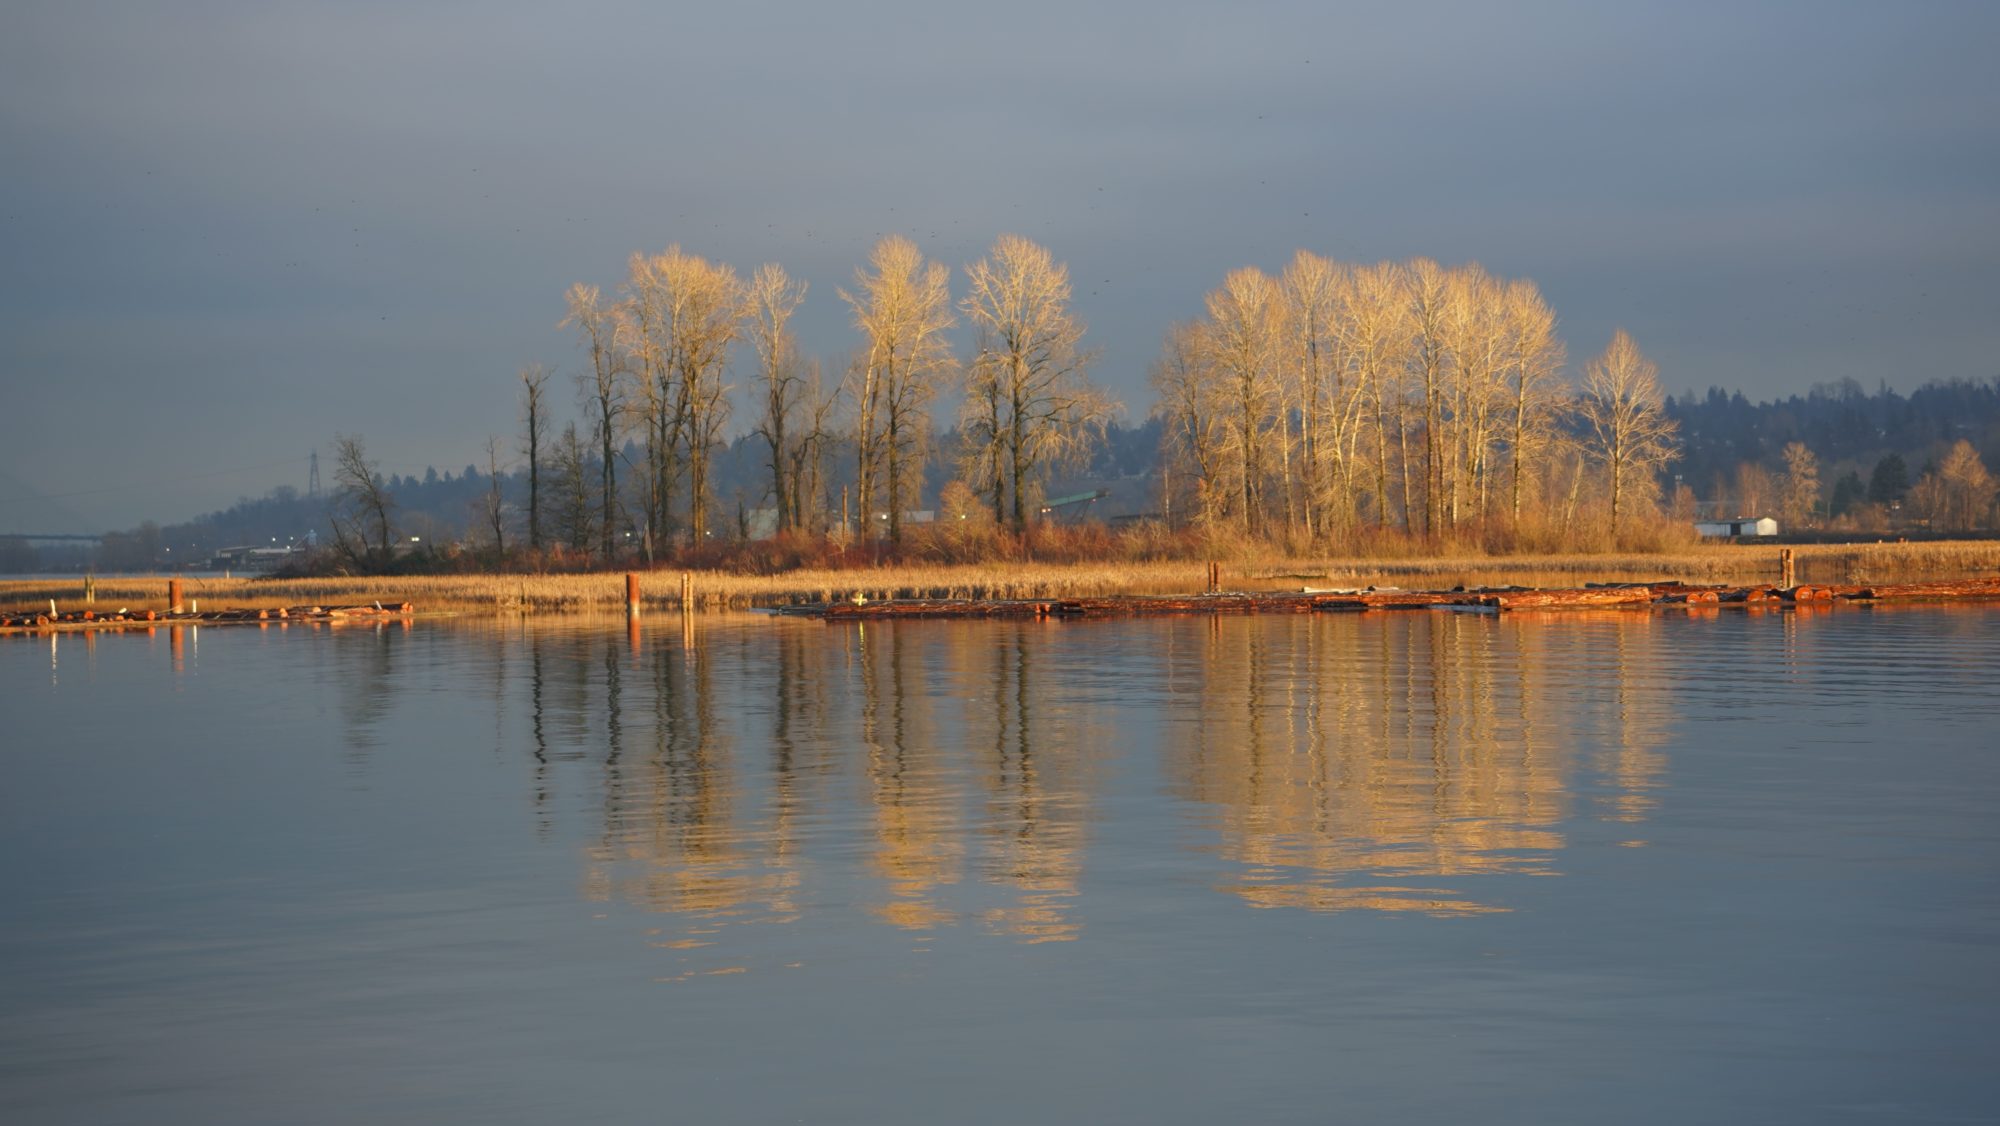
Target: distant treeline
[{"x": 1881, "y": 444}]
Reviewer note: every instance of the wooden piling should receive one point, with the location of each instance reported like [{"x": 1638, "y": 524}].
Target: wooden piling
[
  {"x": 631, "y": 594},
  {"x": 1787, "y": 572},
  {"x": 687, "y": 590},
  {"x": 173, "y": 596}
]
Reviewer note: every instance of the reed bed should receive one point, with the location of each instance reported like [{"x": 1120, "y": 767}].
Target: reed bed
[
  {"x": 658, "y": 589},
  {"x": 721, "y": 590},
  {"x": 1823, "y": 563}
]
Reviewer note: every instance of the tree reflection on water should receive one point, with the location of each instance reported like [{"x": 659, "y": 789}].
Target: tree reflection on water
[{"x": 938, "y": 775}]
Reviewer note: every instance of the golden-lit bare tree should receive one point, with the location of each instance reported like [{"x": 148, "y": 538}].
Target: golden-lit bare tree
[
  {"x": 1799, "y": 495},
  {"x": 1429, "y": 290},
  {"x": 1755, "y": 489},
  {"x": 1536, "y": 356},
  {"x": 683, "y": 312},
  {"x": 1375, "y": 336},
  {"x": 1323, "y": 399},
  {"x": 982, "y": 455},
  {"x": 818, "y": 400},
  {"x": 1239, "y": 343},
  {"x": 1958, "y": 495},
  {"x": 1476, "y": 342},
  {"x": 647, "y": 322},
  {"x": 1029, "y": 374},
  {"x": 1187, "y": 401},
  {"x": 902, "y": 307},
  {"x": 1631, "y": 434},
  {"x": 772, "y": 299}
]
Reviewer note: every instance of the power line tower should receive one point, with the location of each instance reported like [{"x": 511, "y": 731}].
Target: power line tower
[{"x": 312, "y": 476}]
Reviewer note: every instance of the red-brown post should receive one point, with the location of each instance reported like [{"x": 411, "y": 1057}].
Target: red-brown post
[
  {"x": 631, "y": 594},
  {"x": 1785, "y": 568},
  {"x": 687, "y": 590},
  {"x": 174, "y": 596}
]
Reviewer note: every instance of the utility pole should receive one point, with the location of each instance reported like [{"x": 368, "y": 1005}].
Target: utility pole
[{"x": 312, "y": 475}]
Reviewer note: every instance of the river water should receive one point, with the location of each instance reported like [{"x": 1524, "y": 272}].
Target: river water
[{"x": 1417, "y": 867}]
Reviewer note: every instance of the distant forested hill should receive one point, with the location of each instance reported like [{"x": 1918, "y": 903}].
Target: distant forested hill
[{"x": 1849, "y": 430}]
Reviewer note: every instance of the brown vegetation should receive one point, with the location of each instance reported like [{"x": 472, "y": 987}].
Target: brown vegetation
[{"x": 1036, "y": 577}]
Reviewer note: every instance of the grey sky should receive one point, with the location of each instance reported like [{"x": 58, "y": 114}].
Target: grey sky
[{"x": 228, "y": 231}]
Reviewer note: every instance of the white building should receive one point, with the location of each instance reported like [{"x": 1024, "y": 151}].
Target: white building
[{"x": 1741, "y": 526}]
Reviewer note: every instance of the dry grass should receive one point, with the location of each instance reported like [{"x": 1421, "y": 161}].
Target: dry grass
[
  {"x": 607, "y": 591},
  {"x": 661, "y": 589},
  {"x": 1745, "y": 563}
]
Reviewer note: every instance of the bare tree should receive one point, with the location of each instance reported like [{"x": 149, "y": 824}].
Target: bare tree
[
  {"x": 719, "y": 307},
  {"x": 1429, "y": 294},
  {"x": 1311, "y": 288},
  {"x": 818, "y": 401},
  {"x": 362, "y": 505},
  {"x": 1240, "y": 345},
  {"x": 682, "y": 313},
  {"x": 535, "y": 409},
  {"x": 495, "y": 502},
  {"x": 1374, "y": 336},
  {"x": 1537, "y": 360},
  {"x": 1756, "y": 490},
  {"x": 902, "y": 306},
  {"x": 1476, "y": 343},
  {"x": 1187, "y": 400},
  {"x": 598, "y": 328},
  {"x": 772, "y": 299},
  {"x": 1799, "y": 498},
  {"x": 1030, "y": 366},
  {"x": 983, "y": 454},
  {"x": 646, "y": 323},
  {"x": 1631, "y": 433},
  {"x": 1958, "y": 494},
  {"x": 575, "y": 514}
]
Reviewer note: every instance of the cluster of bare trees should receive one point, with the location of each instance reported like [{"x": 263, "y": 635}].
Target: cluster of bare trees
[
  {"x": 1955, "y": 493},
  {"x": 1411, "y": 395},
  {"x": 1027, "y": 404},
  {"x": 658, "y": 359},
  {"x": 1958, "y": 494},
  {"x": 660, "y": 353}
]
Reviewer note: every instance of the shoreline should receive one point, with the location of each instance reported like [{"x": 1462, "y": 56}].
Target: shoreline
[{"x": 1741, "y": 565}]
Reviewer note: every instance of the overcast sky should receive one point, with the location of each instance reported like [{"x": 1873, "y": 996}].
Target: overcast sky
[{"x": 229, "y": 231}]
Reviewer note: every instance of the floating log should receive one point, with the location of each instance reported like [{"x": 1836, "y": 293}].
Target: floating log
[
  {"x": 1973, "y": 589},
  {"x": 1571, "y": 599},
  {"x": 90, "y": 619}
]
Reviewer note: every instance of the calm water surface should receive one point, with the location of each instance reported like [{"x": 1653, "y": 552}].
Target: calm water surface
[{"x": 1419, "y": 867}]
